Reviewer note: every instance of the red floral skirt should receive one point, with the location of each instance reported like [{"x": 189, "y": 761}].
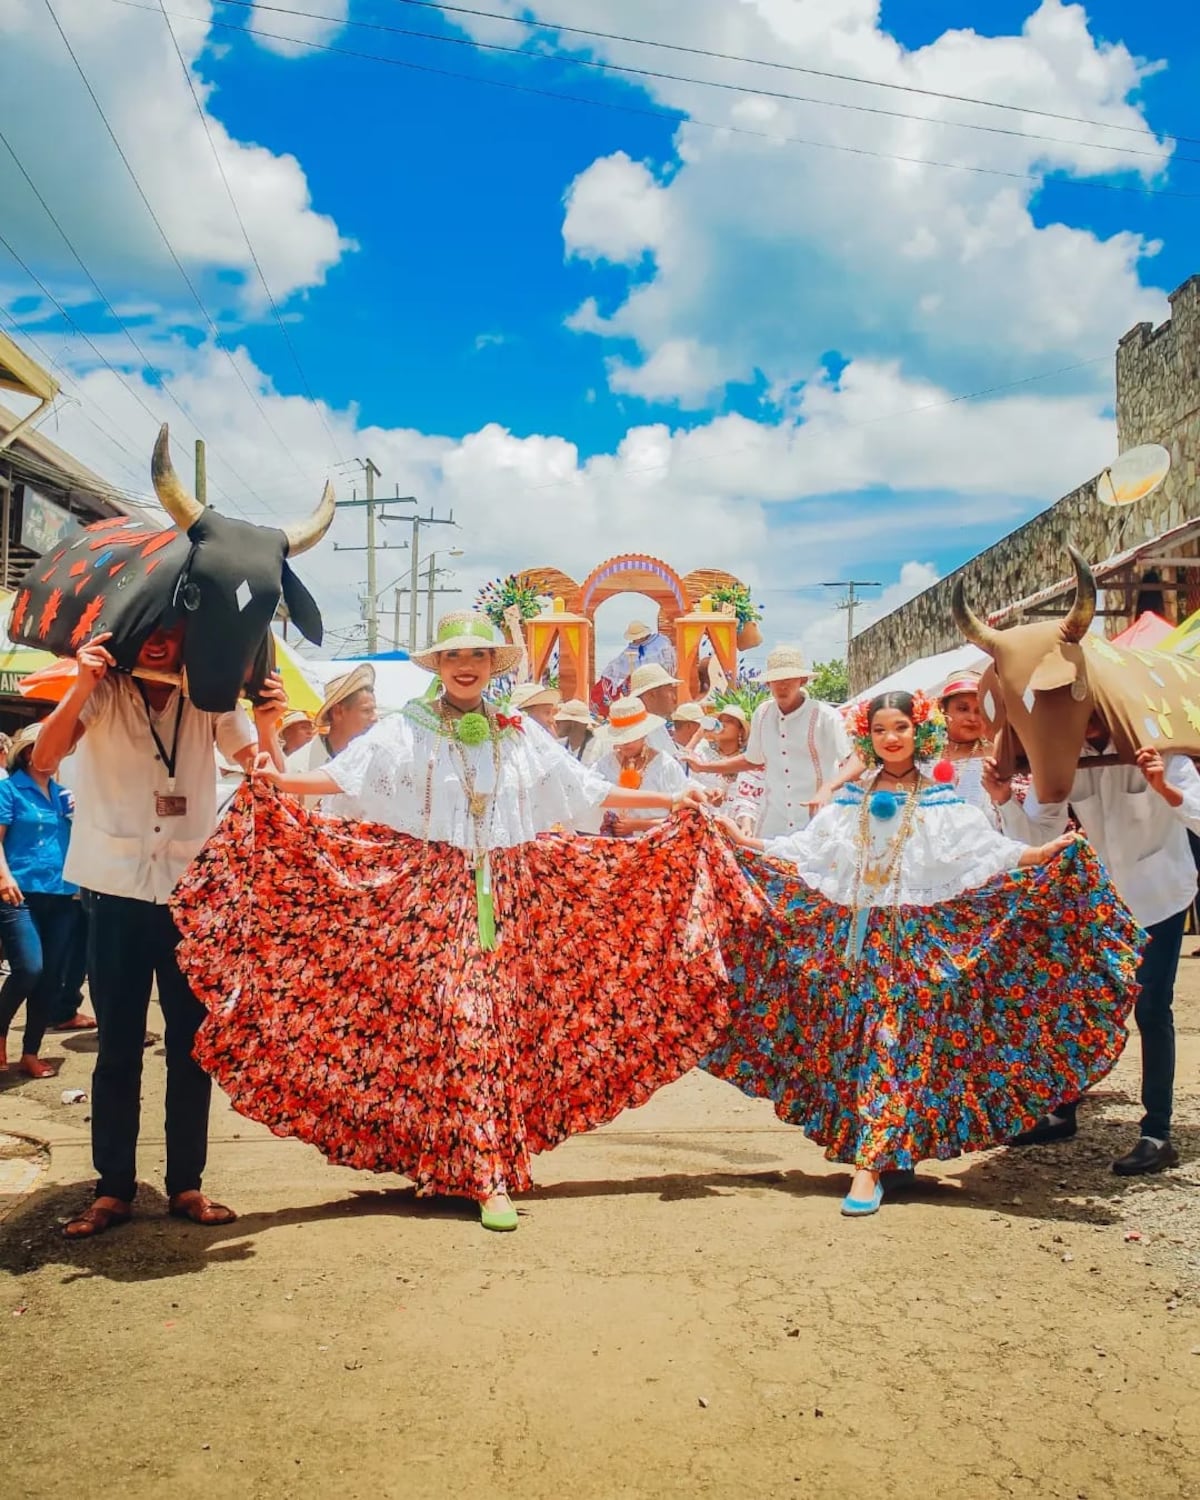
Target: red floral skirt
[{"x": 351, "y": 1005}]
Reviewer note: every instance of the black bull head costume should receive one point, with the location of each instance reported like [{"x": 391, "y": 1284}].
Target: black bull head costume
[
  {"x": 222, "y": 577},
  {"x": 1046, "y": 680}
]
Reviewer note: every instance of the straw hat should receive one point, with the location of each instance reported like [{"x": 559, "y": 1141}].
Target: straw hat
[
  {"x": 638, "y": 632},
  {"x": 294, "y": 716},
  {"x": 464, "y": 631},
  {"x": 786, "y": 664},
  {"x": 961, "y": 682},
  {"x": 629, "y": 719},
  {"x": 23, "y": 738},
  {"x": 650, "y": 676},
  {"x": 341, "y": 688},
  {"x": 574, "y": 711},
  {"x": 733, "y": 711},
  {"x": 530, "y": 694},
  {"x": 688, "y": 713}
]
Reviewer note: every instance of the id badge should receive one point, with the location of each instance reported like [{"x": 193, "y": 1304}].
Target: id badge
[{"x": 169, "y": 805}]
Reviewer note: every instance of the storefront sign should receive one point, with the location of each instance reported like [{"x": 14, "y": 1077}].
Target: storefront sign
[
  {"x": 44, "y": 525},
  {"x": 8, "y": 683}
]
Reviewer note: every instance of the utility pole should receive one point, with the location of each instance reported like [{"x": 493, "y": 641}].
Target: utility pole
[
  {"x": 415, "y": 582},
  {"x": 372, "y": 548},
  {"x": 372, "y": 618},
  {"x": 850, "y": 603},
  {"x": 201, "y": 473}
]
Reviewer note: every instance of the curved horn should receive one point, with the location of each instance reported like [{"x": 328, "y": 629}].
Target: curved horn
[
  {"x": 977, "y": 631},
  {"x": 184, "y": 509},
  {"x": 1083, "y": 610},
  {"x": 306, "y": 534}
]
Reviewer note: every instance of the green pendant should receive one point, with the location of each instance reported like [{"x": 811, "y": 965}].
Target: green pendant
[{"x": 485, "y": 910}]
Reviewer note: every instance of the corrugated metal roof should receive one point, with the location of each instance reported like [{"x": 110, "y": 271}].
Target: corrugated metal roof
[
  {"x": 1178, "y": 536},
  {"x": 63, "y": 468},
  {"x": 20, "y": 373}
]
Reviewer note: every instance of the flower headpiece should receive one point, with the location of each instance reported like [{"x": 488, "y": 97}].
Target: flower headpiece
[{"x": 929, "y": 730}]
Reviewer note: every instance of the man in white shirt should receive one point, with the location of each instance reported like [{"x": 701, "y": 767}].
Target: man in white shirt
[
  {"x": 145, "y": 802},
  {"x": 796, "y": 741},
  {"x": 1137, "y": 819}
]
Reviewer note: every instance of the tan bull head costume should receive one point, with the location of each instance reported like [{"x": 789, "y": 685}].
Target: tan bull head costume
[{"x": 1047, "y": 678}]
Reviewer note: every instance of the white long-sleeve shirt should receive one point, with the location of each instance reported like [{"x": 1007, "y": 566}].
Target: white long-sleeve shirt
[
  {"x": 798, "y": 752},
  {"x": 1140, "y": 837}
]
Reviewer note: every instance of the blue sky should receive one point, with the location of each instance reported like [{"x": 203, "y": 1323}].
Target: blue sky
[{"x": 588, "y": 328}]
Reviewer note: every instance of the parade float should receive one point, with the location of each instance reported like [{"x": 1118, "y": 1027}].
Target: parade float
[{"x": 707, "y": 608}]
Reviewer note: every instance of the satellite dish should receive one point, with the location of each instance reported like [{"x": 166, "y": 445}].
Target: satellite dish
[{"x": 1135, "y": 475}]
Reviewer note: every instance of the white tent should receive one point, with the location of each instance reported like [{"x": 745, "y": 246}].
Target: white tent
[
  {"x": 929, "y": 674},
  {"x": 396, "y": 682}
]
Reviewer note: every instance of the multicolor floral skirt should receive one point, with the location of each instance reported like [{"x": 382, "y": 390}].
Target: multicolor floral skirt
[
  {"x": 351, "y": 1005},
  {"x": 959, "y": 1025}
]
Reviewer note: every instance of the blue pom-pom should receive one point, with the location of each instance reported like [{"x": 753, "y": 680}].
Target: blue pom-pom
[{"x": 883, "y": 806}]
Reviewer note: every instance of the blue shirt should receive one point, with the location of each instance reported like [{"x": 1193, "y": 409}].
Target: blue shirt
[{"x": 37, "y": 830}]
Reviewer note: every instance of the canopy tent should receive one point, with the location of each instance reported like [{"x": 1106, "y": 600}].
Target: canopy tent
[
  {"x": 1184, "y": 640},
  {"x": 397, "y": 680},
  {"x": 1147, "y": 633},
  {"x": 928, "y": 675}
]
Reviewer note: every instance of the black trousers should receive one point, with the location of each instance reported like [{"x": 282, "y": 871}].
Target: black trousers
[
  {"x": 130, "y": 945},
  {"x": 1155, "y": 1017}
]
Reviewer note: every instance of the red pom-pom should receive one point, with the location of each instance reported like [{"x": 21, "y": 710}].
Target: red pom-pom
[{"x": 943, "y": 771}]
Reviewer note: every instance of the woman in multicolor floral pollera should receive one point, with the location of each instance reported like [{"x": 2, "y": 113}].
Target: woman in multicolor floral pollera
[
  {"x": 448, "y": 993},
  {"x": 920, "y": 983}
]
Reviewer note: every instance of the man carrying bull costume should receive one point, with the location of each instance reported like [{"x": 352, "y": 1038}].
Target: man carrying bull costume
[
  {"x": 1136, "y": 818},
  {"x": 1057, "y": 692},
  {"x": 156, "y": 688}
]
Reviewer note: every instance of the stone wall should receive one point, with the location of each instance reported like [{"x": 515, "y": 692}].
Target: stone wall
[{"x": 1158, "y": 401}]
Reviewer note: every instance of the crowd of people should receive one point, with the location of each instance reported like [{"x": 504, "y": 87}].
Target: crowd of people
[{"x": 500, "y": 918}]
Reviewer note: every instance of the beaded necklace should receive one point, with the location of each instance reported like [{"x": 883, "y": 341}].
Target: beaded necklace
[
  {"x": 878, "y": 874},
  {"x": 481, "y": 806}
]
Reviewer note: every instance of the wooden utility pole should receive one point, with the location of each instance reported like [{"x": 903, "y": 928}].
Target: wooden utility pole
[
  {"x": 371, "y": 603},
  {"x": 201, "y": 472},
  {"x": 850, "y": 603}
]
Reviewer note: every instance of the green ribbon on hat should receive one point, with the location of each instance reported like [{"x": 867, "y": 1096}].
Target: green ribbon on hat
[{"x": 479, "y": 627}]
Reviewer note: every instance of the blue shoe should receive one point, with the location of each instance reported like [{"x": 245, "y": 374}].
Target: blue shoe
[{"x": 860, "y": 1208}]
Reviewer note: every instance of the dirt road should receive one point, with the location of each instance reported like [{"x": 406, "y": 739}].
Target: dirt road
[{"x": 682, "y": 1313}]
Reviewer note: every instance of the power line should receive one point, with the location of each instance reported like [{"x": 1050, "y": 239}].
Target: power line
[
  {"x": 601, "y": 65},
  {"x": 287, "y": 338},
  {"x": 676, "y": 115},
  {"x": 141, "y": 353},
  {"x": 758, "y": 62},
  {"x": 163, "y": 234}
]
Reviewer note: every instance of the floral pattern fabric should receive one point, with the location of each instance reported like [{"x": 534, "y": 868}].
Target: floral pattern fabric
[
  {"x": 959, "y": 1024},
  {"x": 351, "y": 1005}
]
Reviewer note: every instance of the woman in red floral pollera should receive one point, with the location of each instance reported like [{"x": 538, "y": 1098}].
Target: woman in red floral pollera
[
  {"x": 426, "y": 986},
  {"x": 927, "y": 982}
]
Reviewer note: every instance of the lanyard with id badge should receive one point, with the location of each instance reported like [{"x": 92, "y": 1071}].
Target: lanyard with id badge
[{"x": 167, "y": 804}]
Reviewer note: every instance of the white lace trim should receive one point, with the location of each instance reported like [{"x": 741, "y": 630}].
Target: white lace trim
[
  {"x": 951, "y": 849},
  {"x": 389, "y": 771}
]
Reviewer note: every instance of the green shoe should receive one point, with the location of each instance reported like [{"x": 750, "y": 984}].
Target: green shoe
[{"x": 501, "y": 1218}]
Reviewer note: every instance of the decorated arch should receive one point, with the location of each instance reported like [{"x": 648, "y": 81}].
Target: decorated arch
[{"x": 686, "y": 615}]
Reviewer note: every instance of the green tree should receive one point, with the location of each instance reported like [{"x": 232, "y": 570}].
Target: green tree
[{"x": 830, "y": 681}]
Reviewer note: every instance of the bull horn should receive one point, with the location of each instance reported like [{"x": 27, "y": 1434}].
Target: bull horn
[
  {"x": 1083, "y": 609},
  {"x": 306, "y": 534},
  {"x": 975, "y": 630},
  {"x": 184, "y": 509}
]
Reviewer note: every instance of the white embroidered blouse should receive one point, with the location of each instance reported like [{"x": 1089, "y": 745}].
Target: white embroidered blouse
[
  {"x": 951, "y": 848},
  {"x": 409, "y": 774}
]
